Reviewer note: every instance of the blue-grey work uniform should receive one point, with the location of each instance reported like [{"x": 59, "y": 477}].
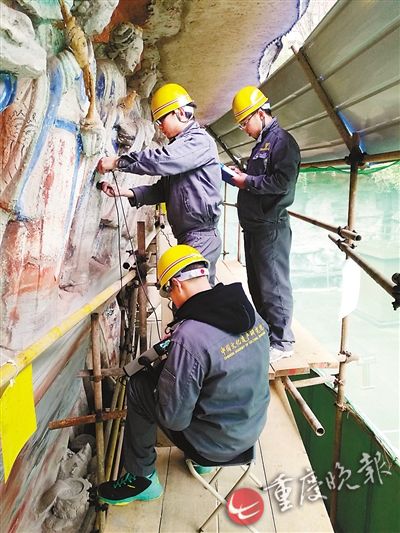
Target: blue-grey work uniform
[
  {"x": 190, "y": 186},
  {"x": 212, "y": 394},
  {"x": 272, "y": 171}
]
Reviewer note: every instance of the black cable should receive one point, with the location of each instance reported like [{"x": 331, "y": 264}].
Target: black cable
[
  {"x": 153, "y": 310},
  {"x": 166, "y": 238},
  {"x": 119, "y": 241}
]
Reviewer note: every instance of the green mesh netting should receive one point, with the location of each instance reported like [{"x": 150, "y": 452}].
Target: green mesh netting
[{"x": 372, "y": 170}]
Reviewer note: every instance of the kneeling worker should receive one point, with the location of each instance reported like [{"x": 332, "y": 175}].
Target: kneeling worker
[
  {"x": 212, "y": 394},
  {"x": 191, "y": 174}
]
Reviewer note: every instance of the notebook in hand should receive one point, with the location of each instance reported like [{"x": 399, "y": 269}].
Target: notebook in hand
[{"x": 227, "y": 174}]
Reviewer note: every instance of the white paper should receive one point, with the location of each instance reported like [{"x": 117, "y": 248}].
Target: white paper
[{"x": 350, "y": 287}]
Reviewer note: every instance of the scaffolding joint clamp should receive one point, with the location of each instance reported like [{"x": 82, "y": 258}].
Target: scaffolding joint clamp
[
  {"x": 356, "y": 156},
  {"x": 98, "y": 416},
  {"x": 338, "y": 382},
  {"x": 396, "y": 290},
  {"x": 341, "y": 407},
  {"x": 356, "y": 237}
]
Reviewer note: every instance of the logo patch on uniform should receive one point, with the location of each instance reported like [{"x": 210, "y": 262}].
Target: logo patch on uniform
[{"x": 265, "y": 148}]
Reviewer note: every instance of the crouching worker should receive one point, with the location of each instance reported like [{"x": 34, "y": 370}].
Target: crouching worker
[{"x": 212, "y": 393}]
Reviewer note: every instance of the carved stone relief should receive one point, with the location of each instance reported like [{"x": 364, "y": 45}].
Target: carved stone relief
[
  {"x": 93, "y": 16},
  {"x": 20, "y": 53}
]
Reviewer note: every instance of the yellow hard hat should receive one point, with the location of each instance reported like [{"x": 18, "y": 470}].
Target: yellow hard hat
[
  {"x": 168, "y": 98},
  {"x": 176, "y": 259},
  {"x": 246, "y": 101}
]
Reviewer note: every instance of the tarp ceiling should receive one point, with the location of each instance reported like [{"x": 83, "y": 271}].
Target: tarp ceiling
[{"x": 354, "y": 53}]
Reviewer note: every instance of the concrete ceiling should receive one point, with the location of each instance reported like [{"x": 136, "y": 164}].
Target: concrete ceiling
[{"x": 219, "y": 47}]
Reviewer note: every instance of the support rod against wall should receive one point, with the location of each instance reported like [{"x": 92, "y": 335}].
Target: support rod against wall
[
  {"x": 304, "y": 407},
  {"x": 86, "y": 419}
]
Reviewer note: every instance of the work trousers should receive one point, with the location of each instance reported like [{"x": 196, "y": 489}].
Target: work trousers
[
  {"x": 209, "y": 244},
  {"x": 268, "y": 275},
  {"x": 141, "y": 428}
]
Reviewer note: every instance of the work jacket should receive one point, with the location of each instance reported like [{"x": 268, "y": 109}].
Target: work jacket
[
  {"x": 190, "y": 183},
  {"x": 214, "y": 385},
  {"x": 272, "y": 172}
]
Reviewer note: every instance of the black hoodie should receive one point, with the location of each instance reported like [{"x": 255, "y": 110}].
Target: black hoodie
[{"x": 225, "y": 307}]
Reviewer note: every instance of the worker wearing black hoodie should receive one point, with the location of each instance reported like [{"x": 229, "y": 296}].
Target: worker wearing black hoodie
[{"x": 212, "y": 393}]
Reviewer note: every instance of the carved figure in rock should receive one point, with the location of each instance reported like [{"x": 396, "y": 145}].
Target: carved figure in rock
[
  {"x": 77, "y": 42},
  {"x": 93, "y": 16},
  {"x": 41, "y": 155},
  {"x": 20, "y": 53},
  {"x": 69, "y": 506},
  {"x": 125, "y": 47}
]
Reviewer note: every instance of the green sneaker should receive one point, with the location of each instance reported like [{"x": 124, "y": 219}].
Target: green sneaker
[
  {"x": 129, "y": 488},
  {"x": 204, "y": 470}
]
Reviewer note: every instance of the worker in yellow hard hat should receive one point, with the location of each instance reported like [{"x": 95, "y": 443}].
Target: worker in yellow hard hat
[
  {"x": 267, "y": 188},
  {"x": 190, "y": 173},
  {"x": 211, "y": 395}
]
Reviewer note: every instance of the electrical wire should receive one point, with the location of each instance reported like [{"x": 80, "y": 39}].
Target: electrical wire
[
  {"x": 153, "y": 310},
  {"x": 119, "y": 241}
]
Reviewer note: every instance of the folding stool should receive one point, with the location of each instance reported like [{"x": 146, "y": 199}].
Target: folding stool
[{"x": 245, "y": 460}]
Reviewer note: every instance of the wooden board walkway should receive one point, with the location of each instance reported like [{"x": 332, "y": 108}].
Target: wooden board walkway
[{"x": 185, "y": 504}]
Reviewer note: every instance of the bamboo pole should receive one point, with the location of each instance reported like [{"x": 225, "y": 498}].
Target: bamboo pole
[
  {"x": 123, "y": 360},
  {"x": 340, "y": 397},
  {"x": 114, "y": 434},
  {"x": 304, "y": 407},
  {"x": 348, "y": 234},
  {"x": 119, "y": 451},
  {"x": 98, "y": 403},
  {"x": 120, "y": 390}
]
